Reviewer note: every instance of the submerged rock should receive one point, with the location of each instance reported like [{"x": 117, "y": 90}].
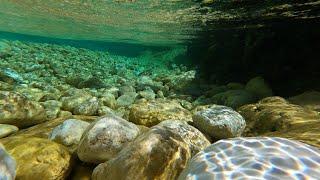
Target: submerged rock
[
  {"x": 7, "y": 165},
  {"x": 88, "y": 107},
  {"x": 69, "y": 132},
  {"x": 191, "y": 135},
  {"x": 104, "y": 138},
  {"x": 259, "y": 87},
  {"x": 181, "y": 81},
  {"x": 148, "y": 94},
  {"x": 52, "y": 108},
  {"x": 146, "y": 81},
  {"x": 126, "y": 99},
  {"x": 37, "y": 157},
  {"x": 219, "y": 122},
  {"x": 10, "y": 76},
  {"x": 150, "y": 113},
  {"x": 234, "y": 98},
  {"x": 160, "y": 153},
  {"x": 105, "y": 111},
  {"x": 309, "y": 99},
  {"x": 274, "y": 116},
  {"x": 255, "y": 158},
  {"x": 80, "y": 103},
  {"x": 6, "y": 130},
  {"x": 109, "y": 100},
  {"x": 16, "y": 110}
]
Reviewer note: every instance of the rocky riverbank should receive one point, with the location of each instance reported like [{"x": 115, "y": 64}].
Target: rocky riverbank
[{"x": 73, "y": 113}]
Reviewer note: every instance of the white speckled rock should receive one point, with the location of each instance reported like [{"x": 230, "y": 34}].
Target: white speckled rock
[
  {"x": 104, "y": 138},
  {"x": 69, "y": 132},
  {"x": 6, "y": 130},
  {"x": 219, "y": 122},
  {"x": 255, "y": 158},
  {"x": 7, "y": 165},
  {"x": 160, "y": 153},
  {"x": 191, "y": 135}
]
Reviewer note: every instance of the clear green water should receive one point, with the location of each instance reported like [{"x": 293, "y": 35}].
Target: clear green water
[{"x": 153, "y": 22}]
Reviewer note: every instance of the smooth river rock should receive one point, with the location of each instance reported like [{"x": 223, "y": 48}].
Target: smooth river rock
[
  {"x": 255, "y": 158},
  {"x": 160, "y": 153},
  {"x": 6, "y": 130},
  {"x": 39, "y": 158},
  {"x": 69, "y": 132},
  {"x": 104, "y": 138},
  {"x": 219, "y": 122}
]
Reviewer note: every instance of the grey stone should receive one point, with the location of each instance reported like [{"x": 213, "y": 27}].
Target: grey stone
[
  {"x": 69, "y": 132},
  {"x": 219, "y": 122},
  {"x": 104, "y": 138}
]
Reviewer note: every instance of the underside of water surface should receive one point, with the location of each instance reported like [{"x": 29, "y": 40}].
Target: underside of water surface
[{"x": 159, "y": 89}]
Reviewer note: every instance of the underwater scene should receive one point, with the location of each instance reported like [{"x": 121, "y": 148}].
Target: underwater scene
[{"x": 159, "y": 89}]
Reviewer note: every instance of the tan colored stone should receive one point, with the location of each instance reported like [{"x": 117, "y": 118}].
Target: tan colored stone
[
  {"x": 310, "y": 100},
  {"x": 150, "y": 113},
  {"x": 39, "y": 158},
  {"x": 274, "y": 116},
  {"x": 157, "y": 154},
  {"x": 15, "y": 109}
]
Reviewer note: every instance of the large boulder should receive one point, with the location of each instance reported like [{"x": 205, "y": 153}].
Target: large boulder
[
  {"x": 37, "y": 157},
  {"x": 104, "y": 138},
  {"x": 160, "y": 153},
  {"x": 69, "y": 132},
  {"x": 255, "y": 158},
  {"x": 219, "y": 122},
  {"x": 191, "y": 135},
  {"x": 17, "y": 110},
  {"x": 150, "y": 113},
  {"x": 7, "y": 165},
  {"x": 274, "y": 116}
]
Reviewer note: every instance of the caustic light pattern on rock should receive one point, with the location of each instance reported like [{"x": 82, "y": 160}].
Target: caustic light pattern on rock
[{"x": 258, "y": 158}]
